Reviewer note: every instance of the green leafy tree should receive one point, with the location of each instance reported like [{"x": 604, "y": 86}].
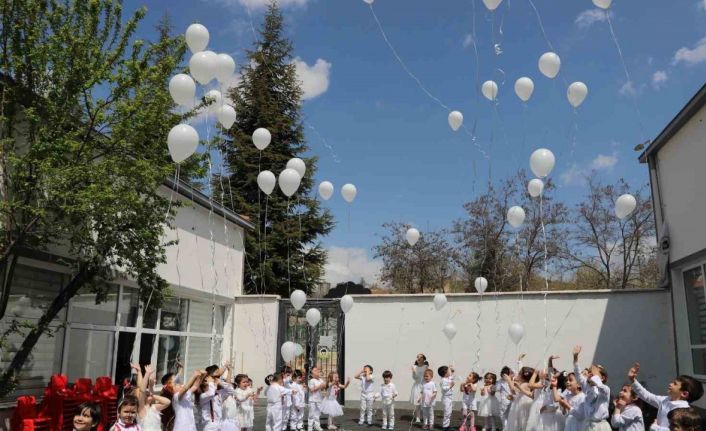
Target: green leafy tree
[
  {"x": 286, "y": 253},
  {"x": 85, "y": 113}
]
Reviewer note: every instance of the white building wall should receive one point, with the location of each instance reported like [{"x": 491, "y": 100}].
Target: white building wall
[
  {"x": 615, "y": 329},
  {"x": 255, "y": 346},
  {"x": 682, "y": 175}
]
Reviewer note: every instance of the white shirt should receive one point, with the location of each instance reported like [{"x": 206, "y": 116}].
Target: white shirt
[
  {"x": 315, "y": 397},
  {"x": 211, "y": 402},
  {"x": 297, "y": 394},
  {"x": 275, "y": 393},
  {"x": 663, "y": 404},
  {"x": 446, "y": 392},
  {"x": 366, "y": 386},
  {"x": 184, "y": 412},
  {"x": 503, "y": 389},
  {"x": 468, "y": 393},
  {"x": 576, "y": 402},
  {"x": 630, "y": 419},
  {"x": 595, "y": 407},
  {"x": 387, "y": 391},
  {"x": 428, "y": 390}
]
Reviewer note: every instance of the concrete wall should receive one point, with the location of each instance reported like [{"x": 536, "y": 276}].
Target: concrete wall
[
  {"x": 615, "y": 329},
  {"x": 255, "y": 346},
  {"x": 682, "y": 177}
]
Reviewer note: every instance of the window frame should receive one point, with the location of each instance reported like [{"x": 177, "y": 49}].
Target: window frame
[{"x": 700, "y": 265}]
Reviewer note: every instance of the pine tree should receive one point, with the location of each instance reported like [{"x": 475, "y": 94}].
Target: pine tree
[{"x": 285, "y": 254}]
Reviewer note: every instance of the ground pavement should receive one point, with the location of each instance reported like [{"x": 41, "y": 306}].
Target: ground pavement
[{"x": 349, "y": 421}]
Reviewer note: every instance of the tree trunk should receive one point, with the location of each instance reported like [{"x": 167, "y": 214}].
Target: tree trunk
[{"x": 9, "y": 376}]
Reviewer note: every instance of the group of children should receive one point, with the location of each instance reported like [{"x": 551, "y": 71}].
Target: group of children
[{"x": 522, "y": 400}]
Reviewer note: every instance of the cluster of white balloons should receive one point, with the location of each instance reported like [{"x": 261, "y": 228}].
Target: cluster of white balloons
[
  {"x": 204, "y": 66},
  {"x": 290, "y": 350},
  {"x": 348, "y": 191},
  {"x": 313, "y": 315}
]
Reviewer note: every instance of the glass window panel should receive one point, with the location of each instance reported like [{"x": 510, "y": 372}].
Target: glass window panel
[
  {"x": 31, "y": 292},
  {"x": 126, "y": 342},
  {"x": 695, "y": 304},
  {"x": 146, "y": 348},
  {"x": 129, "y": 307},
  {"x": 174, "y": 314},
  {"x": 90, "y": 353},
  {"x": 199, "y": 354},
  {"x": 149, "y": 320},
  {"x": 221, "y": 313},
  {"x": 699, "y": 359},
  {"x": 200, "y": 317},
  {"x": 170, "y": 350},
  {"x": 85, "y": 310},
  {"x": 218, "y": 352}
]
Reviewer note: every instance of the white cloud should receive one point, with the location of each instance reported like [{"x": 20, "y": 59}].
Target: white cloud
[
  {"x": 691, "y": 56},
  {"x": 701, "y": 4},
  {"x": 574, "y": 176},
  {"x": 350, "y": 264},
  {"x": 589, "y": 17},
  {"x": 314, "y": 79},
  {"x": 260, "y": 4},
  {"x": 659, "y": 78},
  {"x": 468, "y": 40},
  {"x": 629, "y": 89},
  {"x": 603, "y": 161}
]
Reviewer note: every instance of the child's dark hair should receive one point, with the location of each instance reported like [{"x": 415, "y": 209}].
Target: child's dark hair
[
  {"x": 692, "y": 386},
  {"x": 561, "y": 380},
  {"x": 688, "y": 419},
  {"x": 492, "y": 376},
  {"x": 269, "y": 379},
  {"x": 368, "y": 366},
  {"x": 475, "y": 377},
  {"x": 286, "y": 369},
  {"x": 211, "y": 369},
  {"x": 297, "y": 373},
  {"x": 443, "y": 370},
  {"x": 166, "y": 377},
  {"x": 506, "y": 371},
  {"x": 424, "y": 357},
  {"x": 93, "y": 410},
  {"x": 387, "y": 374},
  {"x": 128, "y": 401},
  {"x": 526, "y": 373},
  {"x": 276, "y": 377},
  {"x": 239, "y": 379}
]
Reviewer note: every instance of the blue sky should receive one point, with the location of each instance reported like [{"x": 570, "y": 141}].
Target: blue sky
[{"x": 371, "y": 124}]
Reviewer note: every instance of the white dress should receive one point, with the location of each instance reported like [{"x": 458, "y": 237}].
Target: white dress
[
  {"x": 230, "y": 415},
  {"x": 330, "y": 405},
  {"x": 488, "y": 404},
  {"x": 533, "y": 420},
  {"x": 551, "y": 417},
  {"x": 152, "y": 420},
  {"x": 244, "y": 404},
  {"x": 519, "y": 412},
  {"x": 574, "y": 423},
  {"x": 418, "y": 377}
]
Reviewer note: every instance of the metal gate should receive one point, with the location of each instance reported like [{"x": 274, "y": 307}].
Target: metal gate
[{"x": 323, "y": 345}]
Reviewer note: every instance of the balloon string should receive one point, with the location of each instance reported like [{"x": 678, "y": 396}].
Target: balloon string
[
  {"x": 632, "y": 92},
  {"x": 259, "y": 220},
  {"x": 546, "y": 270},
  {"x": 289, "y": 276},
  {"x": 328, "y": 146},
  {"x": 541, "y": 25},
  {"x": 478, "y": 329}
]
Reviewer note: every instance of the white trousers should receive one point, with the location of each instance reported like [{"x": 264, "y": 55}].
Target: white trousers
[
  {"x": 314, "y": 416},
  {"x": 296, "y": 418},
  {"x": 366, "y": 410},
  {"x": 428, "y": 415},
  {"x": 504, "y": 413},
  {"x": 388, "y": 414},
  {"x": 212, "y": 426},
  {"x": 286, "y": 411},
  {"x": 448, "y": 409},
  {"x": 274, "y": 417}
]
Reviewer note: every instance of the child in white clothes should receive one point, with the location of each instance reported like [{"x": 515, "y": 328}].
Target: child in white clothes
[
  {"x": 597, "y": 395},
  {"x": 275, "y": 393},
  {"x": 244, "y": 401},
  {"x": 183, "y": 402},
  {"x": 210, "y": 397},
  {"x": 315, "y": 398},
  {"x": 627, "y": 416},
  {"x": 680, "y": 392},
  {"x": 447, "y": 384},
  {"x": 330, "y": 406},
  {"x": 468, "y": 400},
  {"x": 367, "y": 396},
  {"x": 488, "y": 404},
  {"x": 296, "y": 416},
  {"x": 388, "y": 393},
  {"x": 286, "y": 401},
  {"x": 570, "y": 402},
  {"x": 427, "y": 399}
]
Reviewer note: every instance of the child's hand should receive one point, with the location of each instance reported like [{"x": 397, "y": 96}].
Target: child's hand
[
  {"x": 575, "y": 352},
  {"x": 521, "y": 357},
  {"x": 412, "y": 368},
  {"x": 135, "y": 367},
  {"x": 553, "y": 357},
  {"x": 619, "y": 404},
  {"x": 632, "y": 372},
  {"x": 595, "y": 371}
]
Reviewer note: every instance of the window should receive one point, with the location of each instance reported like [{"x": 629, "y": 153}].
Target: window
[
  {"x": 90, "y": 353},
  {"x": 696, "y": 311},
  {"x": 174, "y": 315},
  {"x": 170, "y": 349},
  {"x": 200, "y": 317},
  {"x": 129, "y": 307},
  {"x": 83, "y": 307},
  {"x": 198, "y": 355}
]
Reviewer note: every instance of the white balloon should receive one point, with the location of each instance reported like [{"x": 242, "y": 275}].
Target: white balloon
[
  {"x": 492, "y": 4},
  {"x": 298, "y": 299},
  {"x": 298, "y": 165},
  {"x": 549, "y": 64},
  {"x": 412, "y": 236},
  {"x": 535, "y": 187},
  {"x": 261, "y": 138},
  {"x": 450, "y": 330},
  {"x": 516, "y": 216},
  {"x": 490, "y": 90},
  {"x": 542, "y": 162},
  {"x": 313, "y": 316},
  {"x": 182, "y": 142},
  {"x": 480, "y": 284},
  {"x": 439, "y": 301},
  {"x": 346, "y": 303},
  {"x": 369, "y": 1},
  {"x": 287, "y": 351},
  {"x": 603, "y": 4},
  {"x": 197, "y": 37},
  {"x": 455, "y": 120},
  {"x": 524, "y": 87},
  {"x": 625, "y": 205},
  {"x": 182, "y": 89},
  {"x": 349, "y": 192},
  {"x": 214, "y": 98},
  {"x": 289, "y": 181},
  {"x": 266, "y": 180},
  {"x": 202, "y": 66},
  {"x": 576, "y": 93},
  {"x": 516, "y": 332},
  {"x": 225, "y": 67},
  {"x": 326, "y": 190},
  {"x": 298, "y": 349},
  {"x": 226, "y": 116}
]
